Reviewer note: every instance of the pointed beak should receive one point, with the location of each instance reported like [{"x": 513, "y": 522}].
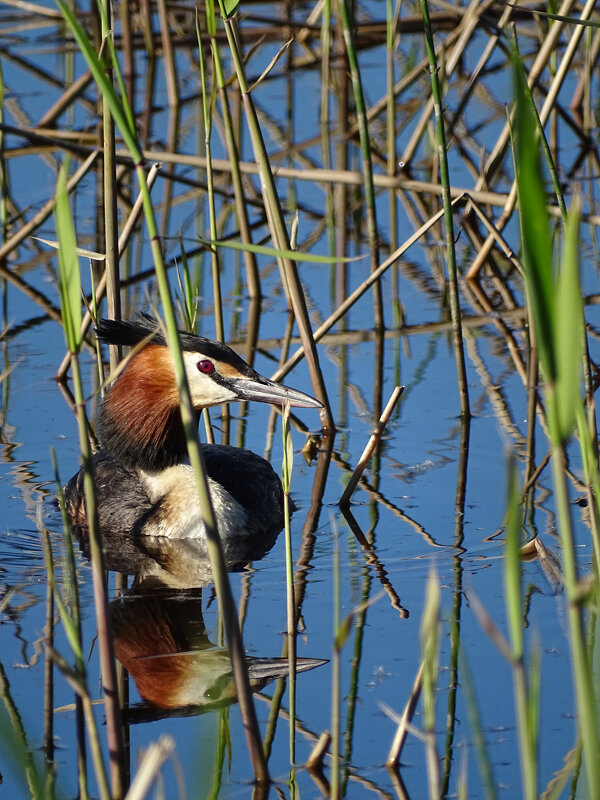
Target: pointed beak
[
  {"x": 266, "y": 391},
  {"x": 268, "y": 669}
]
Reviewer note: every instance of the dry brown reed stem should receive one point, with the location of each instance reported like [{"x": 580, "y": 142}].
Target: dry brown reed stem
[
  {"x": 496, "y": 396},
  {"x": 379, "y": 497},
  {"x": 288, "y": 268},
  {"x": 415, "y": 74},
  {"x": 373, "y": 560},
  {"x": 50, "y": 139},
  {"x": 405, "y": 719},
  {"x": 357, "y": 293},
  {"x": 540, "y": 61},
  {"x": 464, "y": 31},
  {"x": 168, "y": 54},
  {"x": 34, "y": 8},
  {"x": 43, "y": 214},
  {"x": 124, "y": 238},
  {"x": 65, "y": 100},
  {"x": 38, "y": 297},
  {"x": 109, "y": 198},
  {"x": 252, "y": 272},
  {"x": 319, "y": 751},
  {"x": 493, "y": 231},
  {"x": 154, "y": 757},
  {"x": 125, "y": 14},
  {"x": 504, "y": 330},
  {"x": 371, "y": 445},
  {"x": 334, "y": 176},
  {"x": 475, "y": 75},
  {"x": 549, "y": 104},
  {"x": 366, "y": 155}
]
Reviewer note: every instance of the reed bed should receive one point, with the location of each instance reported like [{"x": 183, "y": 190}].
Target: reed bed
[{"x": 230, "y": 159}]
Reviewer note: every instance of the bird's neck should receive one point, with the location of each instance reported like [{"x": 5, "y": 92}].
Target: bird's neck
[{"x": 140, "y": 421}]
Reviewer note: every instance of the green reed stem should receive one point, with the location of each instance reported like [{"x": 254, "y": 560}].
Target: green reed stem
[
  {"x": 559, "y": 327},
  {"x": 105, "y": 641},
  {"x": 448, "y": 222},
  {"x": 215, "y": 550},
  {"x": 582, "y": 673},
  {"x": 365, "y": 149},
  {"x": 477, "y": 736},
  {"x": 70, "y": 292},
  {"x": 224, "y": 594},
  {"x": 111, "y": 232},
  {"x": 526, "y": 725},
  {"x": 430, "y": 642},
  {"x": 252, "y": 273},
  {"x": 75, "y": 615},
  {"x": 335, "y": 674},
  {"x": 207, "y": 110},
  {"x": 288, "y": 460},
  {"x": 3, "y": 170},
  {"x": 289, "y": 271},
  {"x": 15, "y": 744},
  {"x": 391, "y": 19}
]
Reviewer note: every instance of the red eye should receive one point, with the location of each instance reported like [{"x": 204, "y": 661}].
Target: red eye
[{"x": 205, "y": 366}]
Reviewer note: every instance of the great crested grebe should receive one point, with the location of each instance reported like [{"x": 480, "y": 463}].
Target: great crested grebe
[{"x": 144, "y": 483}]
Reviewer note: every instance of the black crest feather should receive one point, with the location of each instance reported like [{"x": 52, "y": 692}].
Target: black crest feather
[{"x": 131, "y": 333}]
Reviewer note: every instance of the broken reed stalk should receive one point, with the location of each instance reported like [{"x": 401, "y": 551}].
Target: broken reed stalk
[
  {"x": 367, "y": 162},
  {"x": 406, "y": 718},
  {"x": 153, "y": 759},
  {"x": 319, "y": 751},
  {"x": 371, "y": 445},
  {"x": 289, "y": 271},
  {"x": 459, "y": 353}
]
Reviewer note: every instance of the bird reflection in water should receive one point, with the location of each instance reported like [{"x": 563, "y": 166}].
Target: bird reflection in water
[
  {"x": 161, "y": 640},
  {"x": 150, "y": 518}
]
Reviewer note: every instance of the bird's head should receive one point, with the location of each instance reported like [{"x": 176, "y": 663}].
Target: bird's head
[{"x": 143, "y": 403}]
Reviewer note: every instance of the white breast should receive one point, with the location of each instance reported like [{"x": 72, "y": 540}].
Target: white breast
[{"x": 178, "y": 515}]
